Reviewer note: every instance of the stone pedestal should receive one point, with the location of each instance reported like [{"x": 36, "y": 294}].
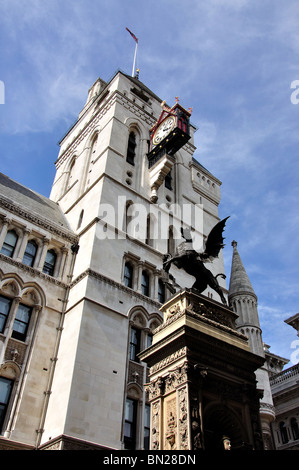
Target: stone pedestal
[{"x": 202, "y": 384}]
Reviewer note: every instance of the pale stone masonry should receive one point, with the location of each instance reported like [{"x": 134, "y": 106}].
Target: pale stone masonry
[
  {"x": 75, "y": 376},
  {"x": 82, "y": 279}
]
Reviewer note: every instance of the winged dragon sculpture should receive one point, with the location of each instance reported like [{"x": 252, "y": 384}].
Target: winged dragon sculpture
[{"x": 192, "y": 262}]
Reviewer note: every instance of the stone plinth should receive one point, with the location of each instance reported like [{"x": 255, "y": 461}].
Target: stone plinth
[{"x": 202, "y": 382}]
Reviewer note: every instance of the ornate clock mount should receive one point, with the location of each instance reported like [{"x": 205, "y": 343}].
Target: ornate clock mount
[{"x": 167, "y": 136}]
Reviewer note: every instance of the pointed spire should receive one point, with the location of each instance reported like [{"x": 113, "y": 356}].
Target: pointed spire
[{"x": 239, "y": 280}]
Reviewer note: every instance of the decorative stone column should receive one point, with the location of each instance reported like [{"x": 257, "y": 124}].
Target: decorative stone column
[
  {"x": 4, "y": 230},
  {"x": 26, "y": 233}
]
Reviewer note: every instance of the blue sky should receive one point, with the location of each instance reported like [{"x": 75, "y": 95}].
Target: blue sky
[{"x": 232, "y": 61}]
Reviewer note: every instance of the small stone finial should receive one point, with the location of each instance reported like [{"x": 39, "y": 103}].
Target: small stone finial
[
  {"x": 14, "y": 354},
  {"x": 234, "y": 243},
  {"x": 135, "y": 376}
]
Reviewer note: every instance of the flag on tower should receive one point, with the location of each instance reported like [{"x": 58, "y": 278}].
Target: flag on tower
[
  {"x": 133, "y": 35},
  {"x": 135, "y": 54}
]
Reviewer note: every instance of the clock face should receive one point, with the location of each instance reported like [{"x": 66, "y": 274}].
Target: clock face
[{"x": 165, "y": 127}]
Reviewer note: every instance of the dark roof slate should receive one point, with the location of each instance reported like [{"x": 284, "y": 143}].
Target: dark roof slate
[{"x": 31, "y": 201}]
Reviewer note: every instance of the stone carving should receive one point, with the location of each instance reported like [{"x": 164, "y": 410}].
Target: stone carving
[
  {"x": 171, "y": 423},
  {"x": 212, "y": 313},
  {"x": 175, "y": 378},
  {"x": 193, "y": 262},
  {"x": 155, "y": 425},
  {"x": 169, "y": 359},
  {"x": 196, "y": 431},
  {"x": 183, "y": 417}
]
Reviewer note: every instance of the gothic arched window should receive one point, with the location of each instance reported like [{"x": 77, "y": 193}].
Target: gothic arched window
[
  {"x": 295, "y": 428},
  {"x": 283, "y": 432},
  {"x": 5, "y": 305},
  {"x": 128, "y": 218},
  {"x": 128, "y": 275},
  {"x": 145, "y": 283},
  {"x": 50, "y": 262},
  {"x": 168, "y": 180},
  {"x": 9, "y": 244},
  {"x": 131, "y": 151},
  {"x": 130, "y": 424},
  {"x": 71, "y": 173},
  {"x": 170, "y": 241},
  {"x": 92, "y": 157},
  {"x": 135, "y": 342},
  {"x": 5, "y": 392},
  {"x": 147, "y": 422},
  {"x": 150, "y": 230},
  {"x": 30, "y": 253},
  {"x": 21, "y": 322},
  {"x": 80, "y": 219},
  {"x": 161, "y": 291}
]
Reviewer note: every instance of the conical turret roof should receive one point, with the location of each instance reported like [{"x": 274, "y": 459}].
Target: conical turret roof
[{"x": 239, "y": 280}]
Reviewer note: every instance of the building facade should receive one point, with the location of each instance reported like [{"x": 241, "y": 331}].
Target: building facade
[
  {"x": 82, "y": 277},
  {"x": 285, "y": 392}
]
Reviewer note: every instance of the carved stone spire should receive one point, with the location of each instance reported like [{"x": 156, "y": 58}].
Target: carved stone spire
[
  {"x": 243, "y": 300},
  {"x": 239, "y": 280}
]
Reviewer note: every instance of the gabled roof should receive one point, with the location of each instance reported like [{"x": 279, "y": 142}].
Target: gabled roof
[{"x": 31, "y": 201}]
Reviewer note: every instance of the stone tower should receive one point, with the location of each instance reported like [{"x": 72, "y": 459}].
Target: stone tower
[
  {"x": 86, "y": 267},
  {"x": 127, "y": 210},
  {"x": 243, "y": 300}
]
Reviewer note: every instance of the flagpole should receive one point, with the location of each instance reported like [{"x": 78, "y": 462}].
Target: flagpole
[{"x": 135, "y": 54}]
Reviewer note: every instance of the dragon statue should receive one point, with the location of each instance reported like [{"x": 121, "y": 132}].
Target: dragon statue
[{"x": 193, "y": 262}]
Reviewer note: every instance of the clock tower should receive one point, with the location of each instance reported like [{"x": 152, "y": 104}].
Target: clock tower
[
  {"x": 98, "y": 302},
  {"x": 113, "y": 166}
]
